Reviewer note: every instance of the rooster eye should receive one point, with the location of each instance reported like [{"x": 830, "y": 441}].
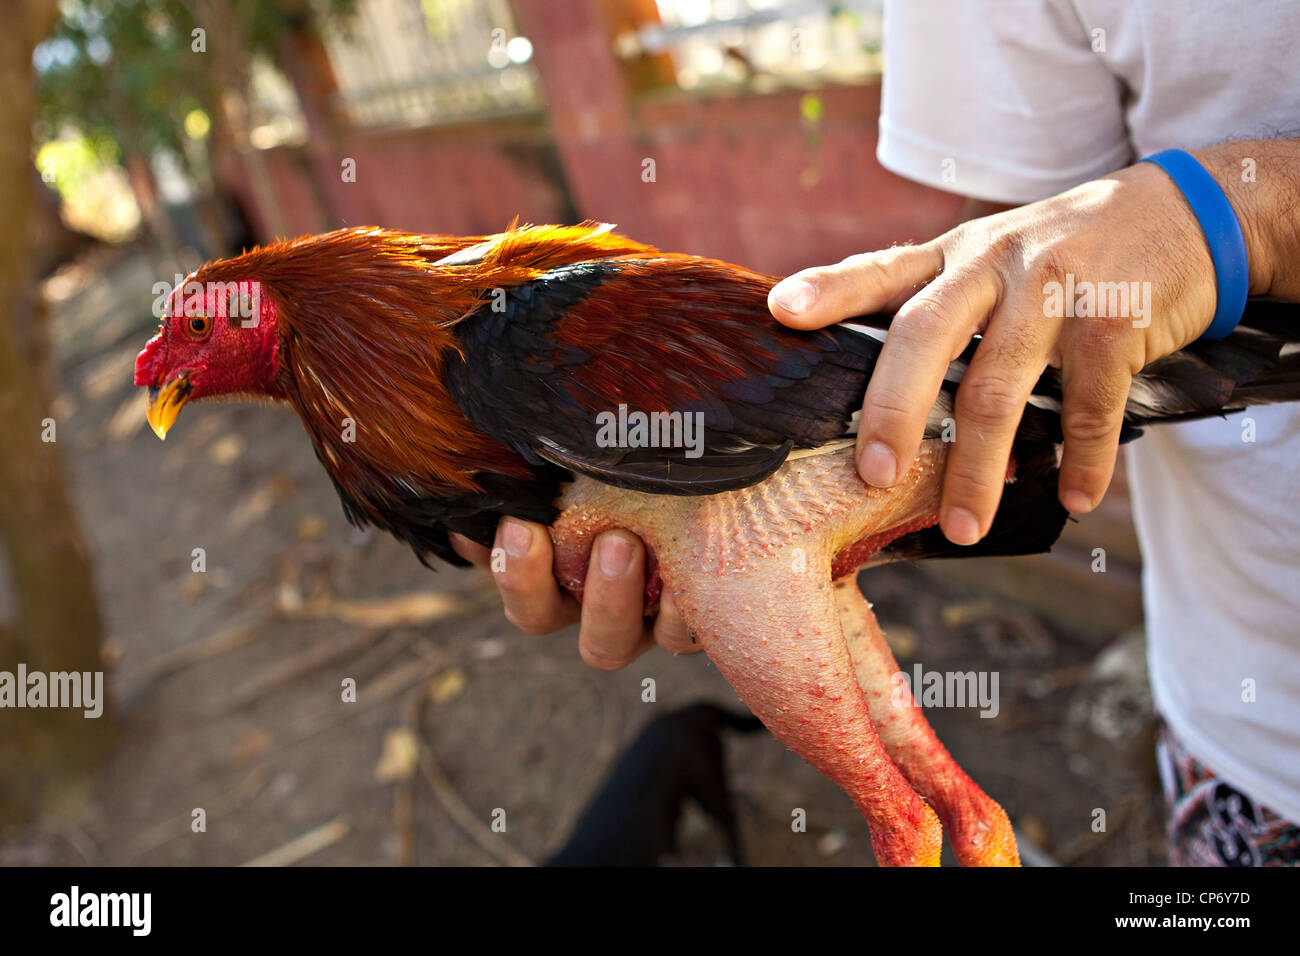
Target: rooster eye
[{"x": 198, "y": 325}]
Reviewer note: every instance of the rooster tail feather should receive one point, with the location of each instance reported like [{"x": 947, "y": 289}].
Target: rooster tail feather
[
  {"x": 1258, "y": 364},
  {"x": 1029, "y": 519}
]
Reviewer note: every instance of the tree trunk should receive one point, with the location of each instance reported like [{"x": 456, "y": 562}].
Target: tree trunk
[
  {"x": 302, "y": 58},
  {"x": 156, "y": 218},
  {"x": 57, "y": 625},
  {"x": 268, "y": 212}
]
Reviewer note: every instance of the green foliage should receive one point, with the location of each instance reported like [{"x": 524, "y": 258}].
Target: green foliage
[
  {"x": 121, "y": 70},
  {"x": 127, "y": 71},
  {"x": 71, "y": 162}
]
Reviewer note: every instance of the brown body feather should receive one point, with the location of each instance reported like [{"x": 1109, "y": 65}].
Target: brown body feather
[{"x": 366, "y": 319}]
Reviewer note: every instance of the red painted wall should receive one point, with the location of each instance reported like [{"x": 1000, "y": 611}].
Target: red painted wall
[
  {"x": 462, "y": 180},
  {"x": 741, "y": 178},
  {"x": 737, "y": 177}
]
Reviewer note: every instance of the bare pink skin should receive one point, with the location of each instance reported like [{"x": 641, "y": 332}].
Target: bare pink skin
[
  {"x": 978, "y": 828},
  {"x": 751, "y": 573}
]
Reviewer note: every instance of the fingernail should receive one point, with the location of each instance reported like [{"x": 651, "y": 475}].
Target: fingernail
[
  {"x": 794, "y": 295},
  {"x": 516, "y": 537},
  {"x": 878, "y": 466},
  {"x": 615, "y": 555},
  {"x": 1076, "y": 502},
  {"x": 960, "y": 526}
]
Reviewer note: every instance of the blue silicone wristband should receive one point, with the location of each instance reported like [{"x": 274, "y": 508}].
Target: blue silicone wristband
[{"x": 1222, "y": 231}]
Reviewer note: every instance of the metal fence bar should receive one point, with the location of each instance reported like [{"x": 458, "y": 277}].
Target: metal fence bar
[{"x": 421, "y": 62}]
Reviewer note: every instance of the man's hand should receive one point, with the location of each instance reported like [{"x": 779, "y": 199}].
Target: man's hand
[
  {"x": 993, "y": 277},
  {"x": 613, "y": 633}
]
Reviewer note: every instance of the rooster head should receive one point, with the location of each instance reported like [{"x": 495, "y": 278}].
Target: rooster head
[{"x": 218, "y": 338}]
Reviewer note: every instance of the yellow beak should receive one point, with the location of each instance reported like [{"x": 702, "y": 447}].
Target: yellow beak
[{"x": 165, "y": 404}]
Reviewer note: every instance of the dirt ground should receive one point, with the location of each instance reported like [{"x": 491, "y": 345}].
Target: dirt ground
[{"x": 227, "y": 683}]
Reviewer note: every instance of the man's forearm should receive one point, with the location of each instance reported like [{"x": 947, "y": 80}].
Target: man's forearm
[{"x": 1261, "y": 178}]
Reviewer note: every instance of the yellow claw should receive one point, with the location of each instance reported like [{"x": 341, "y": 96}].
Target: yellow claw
[{"x": 165, "y": 404}]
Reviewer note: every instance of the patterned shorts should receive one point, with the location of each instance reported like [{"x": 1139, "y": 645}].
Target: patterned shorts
[{"x": 1211, "y": 823}]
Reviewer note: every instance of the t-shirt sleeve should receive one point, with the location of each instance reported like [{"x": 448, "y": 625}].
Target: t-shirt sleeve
[{"x": 1002, "y": 100}]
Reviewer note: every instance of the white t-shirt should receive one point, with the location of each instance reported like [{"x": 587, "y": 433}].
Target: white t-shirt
[{"x": 1016, "y": 100}]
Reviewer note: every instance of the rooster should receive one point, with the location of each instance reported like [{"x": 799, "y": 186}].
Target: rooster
[{"x": 574, "y": 377}]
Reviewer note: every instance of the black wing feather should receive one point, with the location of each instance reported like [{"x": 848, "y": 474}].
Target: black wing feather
[{"x": 521, "y": 385}]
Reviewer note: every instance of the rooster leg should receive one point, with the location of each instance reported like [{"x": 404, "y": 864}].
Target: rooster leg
[
  {"x": 750, "y": 572},
  {"x": 773, "y": 633},
  {"x": 980, "y": 832},
  {"x": 776, "y": 638}
]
